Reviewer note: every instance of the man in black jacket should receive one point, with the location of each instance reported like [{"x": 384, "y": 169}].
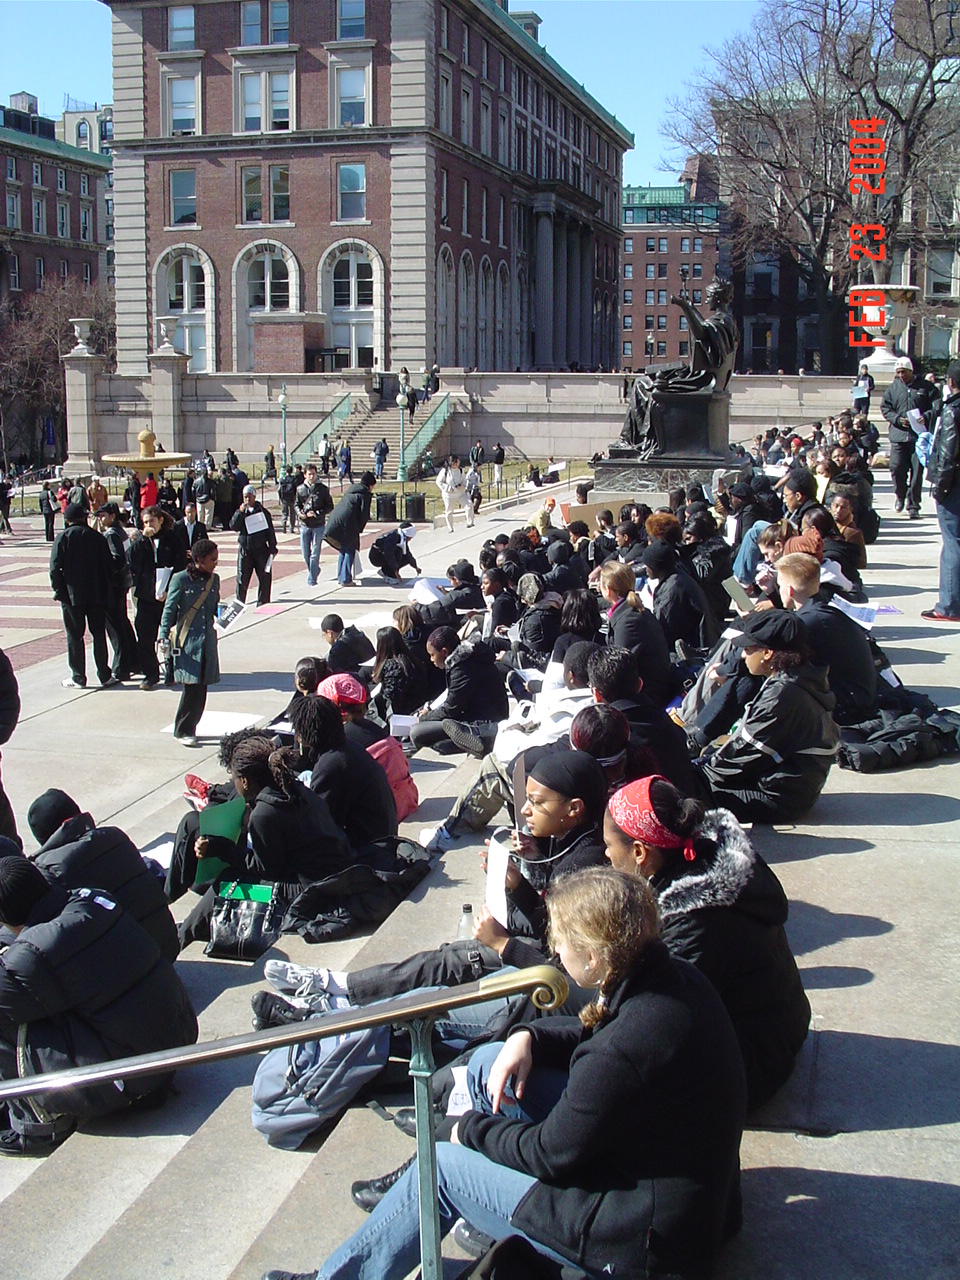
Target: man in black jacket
[
  {"x": 123, "y": 642},
  {"x": 476, "y": 695},
  {"x": 349, "y": 647},
  {"x": 903, "y": 394},
  {"x": 314, "y": 504},
  {"x": 391, "y": 551},
  {"x": 945, "y": 486},
  {"x": 153, "y": 559},
  {"x": 77, "y": 854},
  {"x": 81, "y": 577},
  {"x": 256, "y": 546},
  {"x": 9, "y": 715},
  {"x": 190, "y": 530},
  {"x": 81, "y": 983}
]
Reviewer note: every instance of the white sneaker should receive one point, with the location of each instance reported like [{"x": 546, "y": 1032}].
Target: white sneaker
[
  {"x": 286, "y": 976},
  {"x": 436, "y": 839}
]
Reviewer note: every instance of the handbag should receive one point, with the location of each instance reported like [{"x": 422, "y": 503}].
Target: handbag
[{"x": 245, "y": 921}]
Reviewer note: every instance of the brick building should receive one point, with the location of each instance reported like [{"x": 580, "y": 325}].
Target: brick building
[
  {"x": 89, "y": 127},
  {"x": 310, "y": 185},
  {"x": 52, "y": 204},
  {"x": 670, "y": 246}
]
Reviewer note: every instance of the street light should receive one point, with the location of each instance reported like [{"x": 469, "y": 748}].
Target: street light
[
  {"x": 401, "y": 467},
  {"x": 282, "y": 402}
]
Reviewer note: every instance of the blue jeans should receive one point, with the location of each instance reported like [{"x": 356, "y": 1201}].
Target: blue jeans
[
  {"x": 749, "y": 557},
  {"x": 345, "y": 566},
  {"x": 948, "y": 517},
  {"x": 311, "y": 540}
]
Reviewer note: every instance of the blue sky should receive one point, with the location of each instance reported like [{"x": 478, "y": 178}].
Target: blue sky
[{"x": 630, "y": 54}]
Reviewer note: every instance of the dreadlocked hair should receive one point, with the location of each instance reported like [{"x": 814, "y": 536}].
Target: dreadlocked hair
[
  {"x": 610, "y": 913},
  {"x": 318, "y": 724},
  {"x": 231, "y": 741},
  {"x": 260, "y": 764}
]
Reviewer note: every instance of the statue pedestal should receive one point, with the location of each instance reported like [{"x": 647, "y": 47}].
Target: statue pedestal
[
  {"x": 697, "y": 435},
  {"x": 632, "y": 478}
]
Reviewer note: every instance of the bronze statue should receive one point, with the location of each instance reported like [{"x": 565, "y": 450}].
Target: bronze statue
[{"x": 674, "y": 396}]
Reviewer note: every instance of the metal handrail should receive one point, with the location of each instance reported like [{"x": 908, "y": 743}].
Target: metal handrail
[
  {"x": 304, "y": 448},
  {"x": 427, "y": 432},
  {"x": 548, "y": 988}
]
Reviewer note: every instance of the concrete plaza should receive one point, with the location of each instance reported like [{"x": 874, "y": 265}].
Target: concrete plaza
[{"x": 857, "y": 1174}]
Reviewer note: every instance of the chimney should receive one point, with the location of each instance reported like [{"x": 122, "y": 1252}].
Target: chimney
[{"x": 530, "y": 22}]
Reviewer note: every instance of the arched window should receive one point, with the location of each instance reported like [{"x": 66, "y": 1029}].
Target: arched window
[
  {"x": 83, "y": 135},
  {"x": 350, "y": 286},
  {"x": 502, "y": 314},
  {"x": 466, "y": 313},
  {"x": 184, "y": 287},
  {"x": 485, "y": 315},
  {"x": 266, "y": 282},
  {"x": 446, "y": 308}
]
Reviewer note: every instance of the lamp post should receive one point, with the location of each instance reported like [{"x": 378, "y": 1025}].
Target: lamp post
[
  {"x": 401, "y": 466},
  {"x": 282, "y": 402},
  {"x": 650, "y": 343}
]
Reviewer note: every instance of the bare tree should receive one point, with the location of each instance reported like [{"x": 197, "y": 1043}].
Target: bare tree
[
  {"x": 776, "y": 107},
  {"x": 34, "y": 337}
]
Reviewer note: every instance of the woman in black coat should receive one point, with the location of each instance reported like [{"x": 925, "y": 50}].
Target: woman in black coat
[
  {"x": 403, "y": 683},
  {"x": 679, "y": 603},
  {"x": 724, "y": 910},
  {"x": 632, "y": 1169},
  {"x": 631, "y": 626},
  {"x": 346, "y": 524}
]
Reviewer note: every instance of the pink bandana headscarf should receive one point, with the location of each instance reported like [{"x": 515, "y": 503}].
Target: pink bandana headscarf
[
  {"x": 632, "y": 811},
  {"x": 343, "y": 689}
]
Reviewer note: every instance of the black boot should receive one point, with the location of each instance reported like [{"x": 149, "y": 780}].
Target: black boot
[
  {"x": 270, "y": 1010},
  {"x": 289, "y": 1275},
  {"x": 369, "y": 1194}
]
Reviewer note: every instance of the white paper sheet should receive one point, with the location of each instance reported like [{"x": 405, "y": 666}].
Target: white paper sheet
[
  {"x": 255, "y": 523},
  {"x": 424, "y": 591},
  {"x": 498, "y": 859},
  {"x": 268, "y": 564},
  {"x": 163, "y": 581},
  {"x": 863, "y": 614},
  {"x": 916, "y": 420},
  {"x": 400, "y": 726}
]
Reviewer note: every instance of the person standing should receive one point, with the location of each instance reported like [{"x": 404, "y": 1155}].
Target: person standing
[
  {"x": 474, "y": 486},
  {"x": 944, "y": 478},
  {"x": 188, "y": 620},
  {"x": 189, "y": 530},
  {"x": 9, "y": 715},
  {"x": 48, "y": 509},
  {"x": 96, "y": 494},
  {"x": 287, "y": 493},
  {"x": 344, "y": 463},
  {"x": 119, "y": 631},
  {"x": 81, "y": 577},
  {"x": 347, "y": 524},
  {"x": 270, "y": 464},
  {"x": 314, "y": 504},
  {"x": 903, "y": 394},
  {"x": 204, "y": 493},
  {"x": 453, "y": 490},
  {"x": 185, "y": 494},
  {"x": 863, "y": 389},
  {"x": 498, "y": 456},
  {"x": 478, "y": 455},
  {"x": 6, "y": 489},
  {"x": 133, "y": 496},
  {"x": 325, "y": 454},
  {"x": 153, "y": 556},
  {"x": 257, "y": 546},
  {"x": 149, "y": 492},
  {"x": 381, "y": 451}
]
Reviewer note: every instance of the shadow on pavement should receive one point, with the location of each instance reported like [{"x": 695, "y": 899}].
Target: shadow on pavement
[
  {"x": 811, "y": 927},
  {"x": 887, "y": 809},
  {"x": 831, "y": 977},
  {"x": 784, "y": 846}
]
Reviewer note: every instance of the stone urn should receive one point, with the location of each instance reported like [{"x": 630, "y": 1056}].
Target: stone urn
[
  {"x": 888, "y": 323},
  {"x": 82, "y": 327}
]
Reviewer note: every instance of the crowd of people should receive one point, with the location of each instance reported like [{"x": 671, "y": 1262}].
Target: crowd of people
[{"x": 633, "y": 688}]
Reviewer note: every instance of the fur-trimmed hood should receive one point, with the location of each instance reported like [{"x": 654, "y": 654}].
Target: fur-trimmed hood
[{"x": 734, "y": 877}]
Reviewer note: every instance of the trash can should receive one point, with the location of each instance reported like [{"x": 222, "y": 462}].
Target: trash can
[
  {"x": 414, "y": 507},
  {"x": 386, "y": 508}
]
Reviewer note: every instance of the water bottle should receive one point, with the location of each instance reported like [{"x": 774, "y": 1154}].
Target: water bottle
[{"x": 465, "y": 927}]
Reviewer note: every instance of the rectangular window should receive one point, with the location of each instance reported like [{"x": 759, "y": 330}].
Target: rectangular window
[
  {"x": 279, "y": 193},
  {"x": 628, "y": 348},
  {"x": 13, "y": 272},
  {"x": 180, "y": 32},
  {"x": 661, "y": 322},
  {"x": 108, "y": 232},
  {"x": 503, "y": 223},
  {"x": 483, "y": 214},
  {"x": 683, "y": 324},
  {"x": 465, "y": 211},
  {"x": 183, "y": 196},
  {"x": 628, "y": 271},
  {"x": 627, "y": 297},
  {"x": 61, "y": 179},
  {"x": 628, "y": 322},
  {"x": 38, "y": 175},
  {"x": 648, "y": 321},
  {"x": 662, "y": 268},
  {"x": 628, "y": 245},
  {"x": 38, "y": 273},
  {"x": 698, "y": 295},
  {"x": 351, "y": 91},
  {"x": 662, "y": 248},
  {"x": 661, "y": 348},
  {"x": 698, "y": 244},
  {"x": 503, "y": 141},
  {"x": 446, "y": 113},
  {"x": 466, "y": 118},
  {"x": 183, "y": 104},
  {"x": 684, "y": 244},
  {"x": 684, "y": 348},
  {"x": 444, "y": 206},
  {"x": 250, "y": 22},
  {"x": 465, "y": 46},
  {"x": 63, "y": 221},
  {"x": 485, "y": 128},
  {"x": 11, "y": 168},
  {"x": 697, "y": 270},
  {"x": 86, "y": 224},
  {"x": 351, "y": 24},
  {"x": 252, "y": 196},
  {"x": 84, "y": 184},
  {"x": 661, "y": 297},
  {"x": 352, "y": 187},
  {"x": 109, "y": 204},
  {"x": 651, "y": 244},
  {"x": 503, "y": 74},
  {"x": 444, "y": 27},
  {"x": 279, "y": 100},
  {"x": 279, "y": 22},
  {"x": 13, "y": 210},
  {"x": 64, "y": 269},
  {"x": 651, "y": 271},
  {"x": 252, "y": 113},
  {"x": 87, "y": 274},
  {"x": 649, "y": 299},
  {"x": 39, "y": 216},
  {"x": 110, "y": 180}
]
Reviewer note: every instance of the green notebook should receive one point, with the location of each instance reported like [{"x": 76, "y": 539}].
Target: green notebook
[{"x": 224, "y": 820}]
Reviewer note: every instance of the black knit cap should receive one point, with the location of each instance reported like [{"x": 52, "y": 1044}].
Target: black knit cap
[
  {"x": 742, "y": 491},
  {"x": 22, "y": 885},
  {"x": 773, "y": 629},
  {"x": 49, "y": 812}
]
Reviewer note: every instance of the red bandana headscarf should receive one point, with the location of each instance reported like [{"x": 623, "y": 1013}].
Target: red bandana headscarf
[{"x": 632, "y": 810}]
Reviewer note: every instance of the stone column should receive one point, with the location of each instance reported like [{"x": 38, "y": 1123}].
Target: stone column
[
  {"x": 573, "y": 293},
  {"x": 586, "y": 299},
  {"x": 167, "y": 367},
  {"x": 560, "y": 292},
  {"x": 544, "y": 209}
]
